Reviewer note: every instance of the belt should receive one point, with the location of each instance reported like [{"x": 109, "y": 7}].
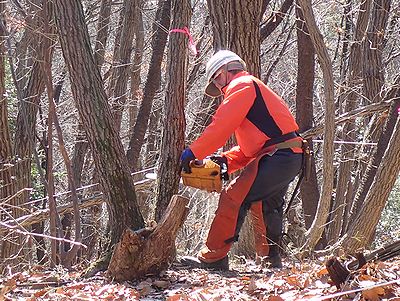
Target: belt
[
  {"x": 290, "y": 144},
  {"x": 282, "y": 142}
]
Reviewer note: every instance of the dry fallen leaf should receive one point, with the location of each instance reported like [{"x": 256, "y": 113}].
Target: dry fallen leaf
[
  {"x": 40, "y": 293},
  {"x": 161, "y": 283},
  {"x": 322, "y": 272},
  {"x": 371, "y": 295},
  {"x": 8, "y": 286},
  {"x": 294, "y": 281},
  {"x": 178, "y": 297},
  {"x": 274, "y": 298},
  {"x": 252, "y": 286}
]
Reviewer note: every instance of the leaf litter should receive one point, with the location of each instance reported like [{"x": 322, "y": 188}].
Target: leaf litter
[{"x": 301, "y": 281}]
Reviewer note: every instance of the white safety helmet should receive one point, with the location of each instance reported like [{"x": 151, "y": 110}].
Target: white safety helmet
[{"x": 219, "y": 59}]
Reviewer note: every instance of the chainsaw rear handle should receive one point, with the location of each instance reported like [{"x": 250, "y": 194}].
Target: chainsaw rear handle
[
  {"x": 201, "y": 164},
  {"x": 197, "y": 163}
]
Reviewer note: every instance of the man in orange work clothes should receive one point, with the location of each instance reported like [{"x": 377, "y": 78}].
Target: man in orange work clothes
[{"x": 269, "y": 151}]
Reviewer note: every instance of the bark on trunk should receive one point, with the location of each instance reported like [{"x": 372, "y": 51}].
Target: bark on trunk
[
  {"x": 373, "y": 67},
  {"x": 5, "y": 138},
  {"x": 304, "y": 111},
  {"x": 25, "y": 126},
  {"x": 149, "y": 250},
  {"x": 95, "y": 113},
  {"x": 102, "y": 32},
  {"x": 348, "y": 133},
  {"x": 315, "y": 232},
  {"x": 6, "y": 166},
  {"x": 122, "y": 59},
  {"x": 359, "y": 235},
  {"x": 376, "y": 161},
  {"x": 159, "y": 41},
  {"x": 173, "y": 135},
  {"x": 238, "y": 29},
  {"x": 136, "y": 69}
]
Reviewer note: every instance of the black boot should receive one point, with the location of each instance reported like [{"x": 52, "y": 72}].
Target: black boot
[
  {"x": 194, "y": 262},
  {"x": 273, "y": 261}
]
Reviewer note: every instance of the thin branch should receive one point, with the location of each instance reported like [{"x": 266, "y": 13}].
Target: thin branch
[{"x": 360, "y": 112}]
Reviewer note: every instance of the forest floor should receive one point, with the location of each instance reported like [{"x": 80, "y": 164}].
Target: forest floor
[{"x": 244, "y": 281}]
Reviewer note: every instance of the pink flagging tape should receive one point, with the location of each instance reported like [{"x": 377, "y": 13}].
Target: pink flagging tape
[{"x": 192, "y": 45}]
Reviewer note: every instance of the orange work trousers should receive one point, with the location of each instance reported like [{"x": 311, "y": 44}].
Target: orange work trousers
[{"x": 262, "y": 179}]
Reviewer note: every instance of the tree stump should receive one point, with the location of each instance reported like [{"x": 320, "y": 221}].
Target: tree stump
[{"x": 149, "y": 250}]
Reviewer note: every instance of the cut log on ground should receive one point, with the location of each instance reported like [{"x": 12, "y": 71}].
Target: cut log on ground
[
  {"x": 340, "y": 273},
  {"x": 40, "y": 215},
  {"x": 149, "y": 251}
]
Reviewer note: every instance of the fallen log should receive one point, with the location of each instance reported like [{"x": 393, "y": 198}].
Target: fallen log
[
  {"x": 149, "y": 250},
  {"x": 43, "y": 214}
]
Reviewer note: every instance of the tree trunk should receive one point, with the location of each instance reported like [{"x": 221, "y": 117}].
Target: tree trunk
[
  {"x": 173, "y": 135},
  {"x": 348, "y": 132},
  {"x": 122, "y": 59},
  {"x": 304, "y": 111},
  {"x": 81, "y": 145},
  {"x": 362, "y": 230},
  {"x": 102, "y": 32},
  {"x": 161, "y": 24},
  {"x": 6, "y": 162},
  {"x": 96, "y": 116},
  {"x": 136, "y": 68},
  {"x": 376, "y": 160},
  {"x": 149, "y": 251},
  {"x": 5, "y": 137},
  {"x": 25, "y": 125},
  {"x": 314, "y": 233},
  {"x": 238, "y": 29},
  {"x": 373, "y": 67}
]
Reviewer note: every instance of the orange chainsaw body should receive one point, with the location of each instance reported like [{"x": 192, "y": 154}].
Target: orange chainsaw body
[{"x": 205, "y": 175}]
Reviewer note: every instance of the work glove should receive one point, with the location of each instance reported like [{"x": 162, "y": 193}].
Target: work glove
[
  {"x": 187, "y": 156},
  {"x": 223, "y": 162}
]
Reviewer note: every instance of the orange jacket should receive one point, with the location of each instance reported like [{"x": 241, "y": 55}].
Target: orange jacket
[{"x": 253, "y": 112}]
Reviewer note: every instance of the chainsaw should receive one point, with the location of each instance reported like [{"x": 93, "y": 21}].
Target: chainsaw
[{"x": 206, "y": 175}]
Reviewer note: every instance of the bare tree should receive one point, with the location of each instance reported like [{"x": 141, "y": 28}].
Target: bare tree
[
  {"x": 160, "y": 28},
  {"x": 238, "y": 29},
  {"x": 96, "y": 116},
  {"x": 6, "y": 171},
  {"x": 362, "y": 230},
  {"x": 304, "y": 111},
  {"x": 372, "y": 65},
  {"x": 173, "y": 134},
  {"x": 136, "y": 67},
  {"x": 122, "y": 70},
  {"x": 5, "y": 138},
  {"x": 348, "y": 132},
  {"x": 24, "y": 139},
  {"x": 81, "y": 145},
  {"x": 314, "y": 233}
]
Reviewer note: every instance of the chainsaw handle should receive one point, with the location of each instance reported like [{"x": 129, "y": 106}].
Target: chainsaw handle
[{"x": 197, "y": 164}]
